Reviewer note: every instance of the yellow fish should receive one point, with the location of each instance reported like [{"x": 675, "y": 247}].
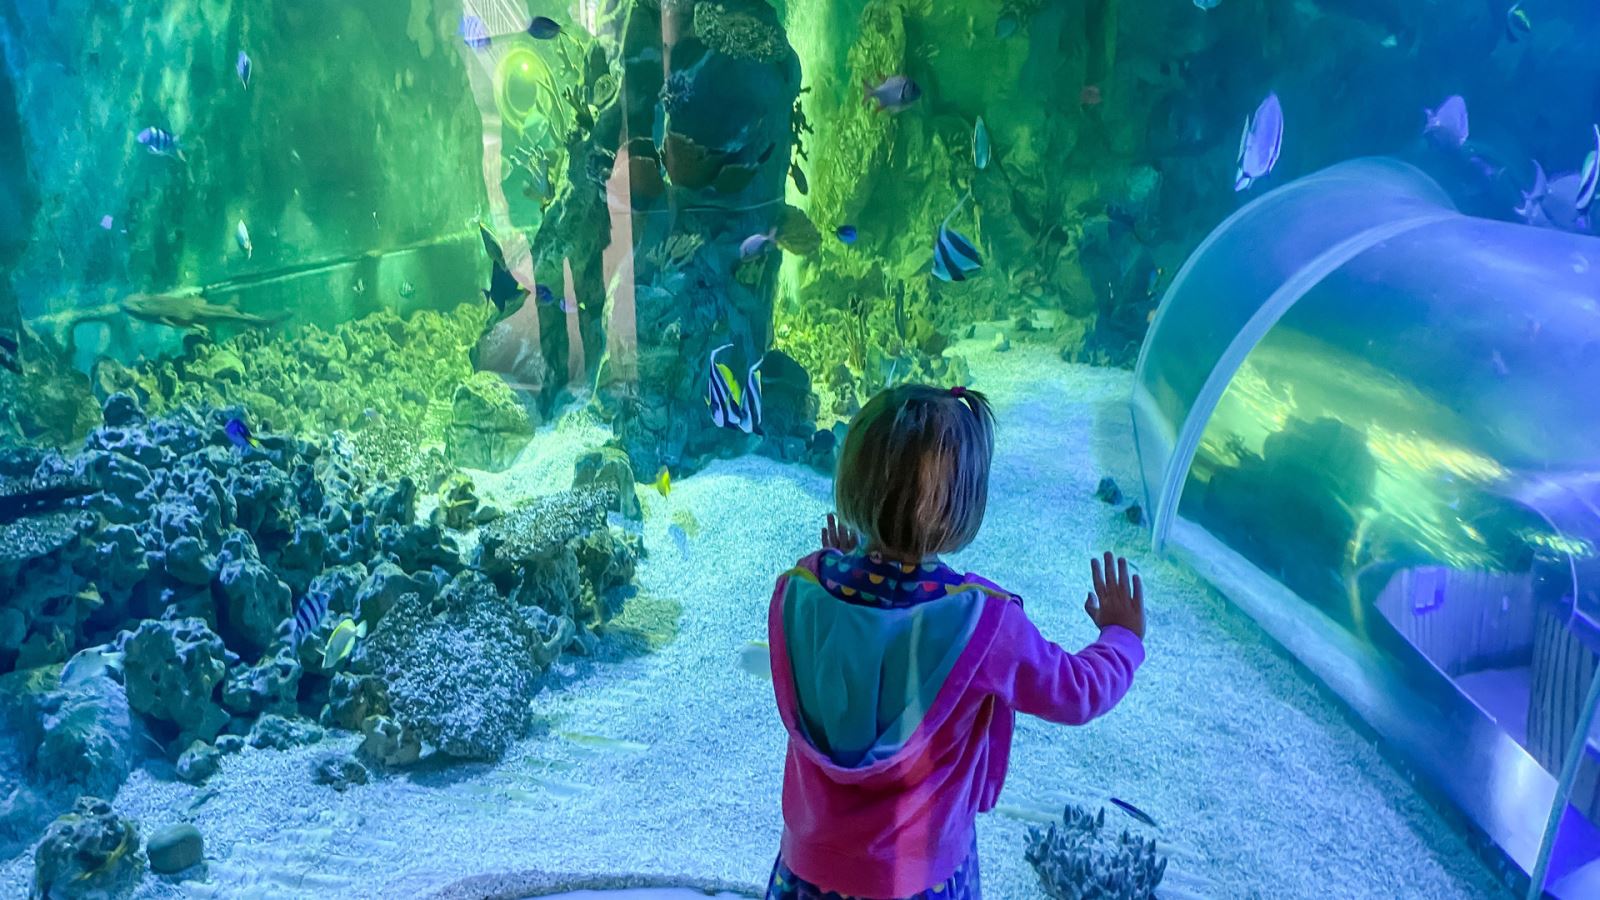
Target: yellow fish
[
  {"x": 663, "y": 482},
  {"x": 342, "y": 641}
]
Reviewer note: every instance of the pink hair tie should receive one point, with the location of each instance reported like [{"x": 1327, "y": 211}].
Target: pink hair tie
[{"x": 957, "y": 391}]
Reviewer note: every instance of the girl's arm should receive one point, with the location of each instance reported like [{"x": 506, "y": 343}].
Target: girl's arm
[{"x": 1038, "y": 677}]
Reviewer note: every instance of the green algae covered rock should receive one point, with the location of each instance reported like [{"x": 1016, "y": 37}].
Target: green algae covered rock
[
  {"x": 488, "y": 427},
  {"x": 172, "y": 670}
]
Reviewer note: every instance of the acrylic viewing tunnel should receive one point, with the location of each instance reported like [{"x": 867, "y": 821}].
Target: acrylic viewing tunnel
[{"x": 1372, "y": 422}]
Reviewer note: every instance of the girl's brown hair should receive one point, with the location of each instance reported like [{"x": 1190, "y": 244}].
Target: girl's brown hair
[{"x": 913, "y": 477}]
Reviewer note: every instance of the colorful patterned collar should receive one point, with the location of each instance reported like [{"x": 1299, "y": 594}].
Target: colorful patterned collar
[{"x": 871, "y": 580}]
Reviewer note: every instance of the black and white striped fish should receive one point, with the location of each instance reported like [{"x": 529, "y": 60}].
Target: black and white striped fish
[
  {"x": 954, "y": 257},
  {"x": 309, "y": 614},
  {"x": 161, "y": 142},
  {"x": 10, "y": 353},
  {"x": 733, "y": 405}
]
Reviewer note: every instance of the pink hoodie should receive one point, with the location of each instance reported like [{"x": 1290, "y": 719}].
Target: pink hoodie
[{"x": 902, "y": 818}]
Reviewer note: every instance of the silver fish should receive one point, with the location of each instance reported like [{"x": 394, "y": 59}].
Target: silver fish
[
  {"x": 980, "y": 144},
  {"x": 1448, "y": 124},
  {"x": 1260, "y": 143},
  {"x": 894, "y": 94},
  {"x": 90, "y": 663},
  {"x": 241, "y": 235},
  {"x": 756, "y": 244},
  {"x": 244, "y": 67}
]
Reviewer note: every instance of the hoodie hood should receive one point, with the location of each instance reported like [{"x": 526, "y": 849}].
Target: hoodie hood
[{"x": 871, "y": 647}]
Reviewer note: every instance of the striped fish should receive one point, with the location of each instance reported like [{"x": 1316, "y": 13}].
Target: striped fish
[
  {"x": 733, "y": 405},
  {"x": 160, "y": 142},
  {"x": 1589, "y": 178},
  {"x": 309, "y": 614},
  {"x": 954, "y": 257}
]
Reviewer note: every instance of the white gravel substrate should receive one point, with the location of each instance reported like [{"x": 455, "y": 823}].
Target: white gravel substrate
[{"x": 1261, "y": 786}]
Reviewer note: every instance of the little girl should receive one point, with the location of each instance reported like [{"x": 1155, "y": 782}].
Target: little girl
[{"x": 899, "y": 678}]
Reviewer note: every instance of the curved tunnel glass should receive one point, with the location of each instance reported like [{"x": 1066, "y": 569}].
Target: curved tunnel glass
[{"x": 1408, "y": 396}]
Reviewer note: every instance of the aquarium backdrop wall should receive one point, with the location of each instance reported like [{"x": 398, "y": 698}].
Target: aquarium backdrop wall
[{"x": 406, "y": 407}]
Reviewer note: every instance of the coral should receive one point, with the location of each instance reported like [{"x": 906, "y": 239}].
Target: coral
[
  {"x": 739, "y": 33},
  {"x": 1078, "y": 860},
  {"x": 462, "y": 677},
  {"x": 488, "y": 427},
  {"x": 172, "y": 669},
  {"x": 352, "y": 698},
  {"x": 90, "y": 852}
]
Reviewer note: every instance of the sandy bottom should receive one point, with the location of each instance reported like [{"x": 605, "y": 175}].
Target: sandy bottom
[{"x": 664, "y": 757}]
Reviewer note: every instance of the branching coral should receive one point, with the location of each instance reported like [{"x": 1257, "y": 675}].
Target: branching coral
[{"x": 737, "y": 33}]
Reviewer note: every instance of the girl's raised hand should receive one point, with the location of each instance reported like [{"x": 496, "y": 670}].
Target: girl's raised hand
[
  {"x": 1117, "y": 599},
  {"x": 837, "y": 537}
]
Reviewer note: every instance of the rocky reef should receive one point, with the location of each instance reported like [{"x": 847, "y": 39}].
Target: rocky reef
[
  {"x": 1079, "y": 860},
  {"x": 168, "y": 582}
]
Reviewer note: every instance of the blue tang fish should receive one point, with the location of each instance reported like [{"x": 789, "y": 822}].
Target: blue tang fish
[
  {"x": 543, "y": 28},
  {"x": 846, "y": 233},
  {"x": 1260, "y": 144},
  {"x": 474, "y": 33},
  {"x": 239, "y": 433}
]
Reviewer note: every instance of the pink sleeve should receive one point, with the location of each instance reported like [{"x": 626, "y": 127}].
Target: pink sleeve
[{"x": 1039, "y": 678}]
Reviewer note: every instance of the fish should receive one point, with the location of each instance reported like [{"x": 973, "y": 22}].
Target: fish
[
  {"x": 244, "y": 67},
  {"x": 309, "y": 614},
  {"x": 1448, "y": 125},
  {"x": 1090, "y": 95},
  {"x": 241, "y": 234},
  {"x": 1207, "y": 4},
  {"x": 342, "y": 641},
  {"x": 41, "y": 501},
  {"x": 1260, "y": 144},
  {"x": 161, "y": 142},
  {"x": 504, "y": 289},
  {"x": 239, "y": 433},
  {"x": 680, "y": 538},
  {"x": 954, "y": 257},
  {"x": 474, "y": 33},
  {"x": 543, "y": 295},
  {"x": 1533, "y": 198},
  {"x": 601, "y": 742},
  {"x": 663, "y": 482},
  {"x": 106, "y": 222},
  {"x": 1518, "y": 24},
  {"x": 894, "y": 94},
  {"x": 1390, "y": 42},
  {"x": 756, "y": 244},
  {"x": 980, "y": 144},
  {"x": 755, "y": 658},
  {"x": 10, "y": 353},
  {"x": 733, "y": 405},
  {"x": 543, "y": 28},
  {"x": 798, "y": 175},
  {"x": 407, "y": 290},
  {"x": 1153, "y": 281},
  {"x": 1134, "y": 811},
  {"x": 91, "y": 663},
  {"x": 190, "y": 311},
  {"x": 846, "y": 233},
  {"x": 1498, "y": 363},
  {"x": 1588, "y": 179}
]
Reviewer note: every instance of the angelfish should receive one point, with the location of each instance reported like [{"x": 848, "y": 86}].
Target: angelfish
[
  {"x": 1589, "y": 179},
  {"x": 1260, "y": 144},
  {"x": 954, "y": 257}
]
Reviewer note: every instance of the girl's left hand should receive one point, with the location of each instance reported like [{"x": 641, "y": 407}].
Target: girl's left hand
[{"x": 838, "y": 537}]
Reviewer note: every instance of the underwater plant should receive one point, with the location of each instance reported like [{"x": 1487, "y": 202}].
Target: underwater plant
[{"x": 1079, "y": 860}]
